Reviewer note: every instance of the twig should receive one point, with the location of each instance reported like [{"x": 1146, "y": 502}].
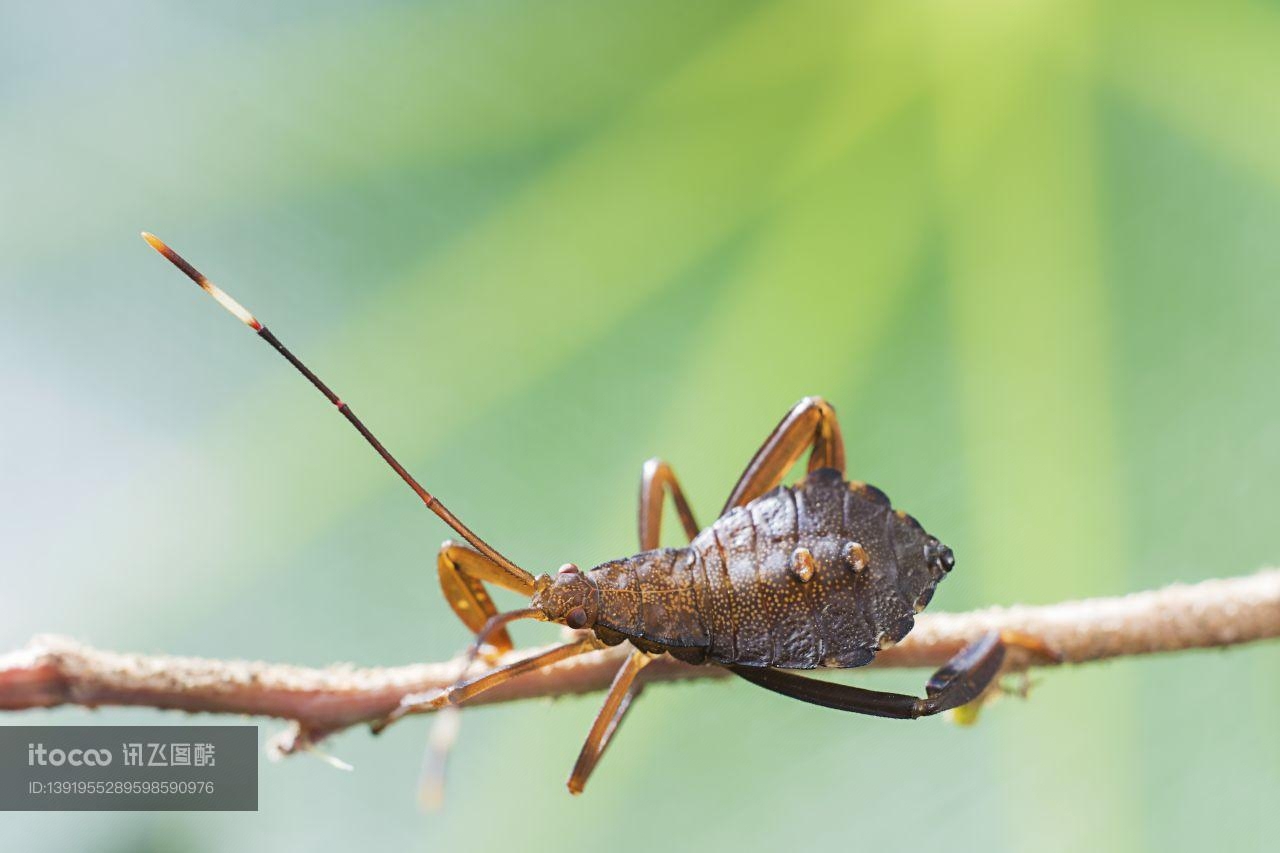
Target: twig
[{"x": 53, "y": 670}]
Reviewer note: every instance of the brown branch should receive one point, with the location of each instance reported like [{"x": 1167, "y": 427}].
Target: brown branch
[{"x": 53, "y": 671}]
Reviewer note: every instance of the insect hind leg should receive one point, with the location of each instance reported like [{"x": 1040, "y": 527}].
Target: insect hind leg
[{"x": 958, "y": 682}]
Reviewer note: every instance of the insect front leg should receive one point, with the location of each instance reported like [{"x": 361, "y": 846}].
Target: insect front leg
[
  {"x": 656, "y": 482},
  {"x": 463, "y": 572},
  {"x": 810, "y": 423},
  {"x": 417, "y": 703}
]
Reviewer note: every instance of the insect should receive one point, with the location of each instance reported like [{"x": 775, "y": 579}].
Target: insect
[{"x": 822, "y": 574}]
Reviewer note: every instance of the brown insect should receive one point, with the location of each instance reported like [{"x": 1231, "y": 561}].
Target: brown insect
[{"x": 821, "y": 574}]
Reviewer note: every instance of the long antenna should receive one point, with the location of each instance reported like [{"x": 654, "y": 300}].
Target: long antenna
[{"x": 520, "y": 580}]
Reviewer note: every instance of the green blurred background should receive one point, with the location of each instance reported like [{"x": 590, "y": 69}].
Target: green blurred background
[{"x": 1027, "y": 248}]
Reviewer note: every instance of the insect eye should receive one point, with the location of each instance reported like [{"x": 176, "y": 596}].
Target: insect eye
[
  {"x": 576, "y": 618},
  {"x": 569, "y": 569}
]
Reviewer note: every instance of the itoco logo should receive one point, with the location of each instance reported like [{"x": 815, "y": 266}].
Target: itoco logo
[{"x": 37, "y": 754}]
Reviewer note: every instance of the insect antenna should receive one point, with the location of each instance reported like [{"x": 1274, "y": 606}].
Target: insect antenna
[{"x": 520, "y": 579}]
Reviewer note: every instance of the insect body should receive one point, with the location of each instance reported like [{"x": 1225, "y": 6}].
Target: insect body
[{"x": 821, "y": 574}]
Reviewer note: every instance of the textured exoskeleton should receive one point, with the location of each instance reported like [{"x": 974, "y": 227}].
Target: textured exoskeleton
[{"x": 735, "y": 595}]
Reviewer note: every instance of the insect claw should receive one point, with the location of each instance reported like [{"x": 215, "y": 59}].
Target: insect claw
[
  {"x": 1034, "y": 649},
  {"x": 414, "y": 703}
]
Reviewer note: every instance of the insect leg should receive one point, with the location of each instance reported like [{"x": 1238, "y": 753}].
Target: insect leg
[
  {"x": 462, "y": 573},
  {"x": 960, "y": 681},
  {"x": 624, "y": 689},
  {"x": 435, "y": 758},
  {"x": 842, "y": 697},
  {"x": 656, "y": 482},
  {"x": 810, "y": 423},
  {"x": 417, "y": 703},
  {"x": 963, "y": 678}
]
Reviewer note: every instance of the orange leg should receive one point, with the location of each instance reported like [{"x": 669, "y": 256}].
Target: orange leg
[
  {"x": 656, "y": 482},
  {"x": 417, "y": 703},
  {"x": 463, "y": 573},
  {"x": 435, "y": 758},
  {"x": 810, "y": 423},
  {"x": 625, "y": 688}
]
